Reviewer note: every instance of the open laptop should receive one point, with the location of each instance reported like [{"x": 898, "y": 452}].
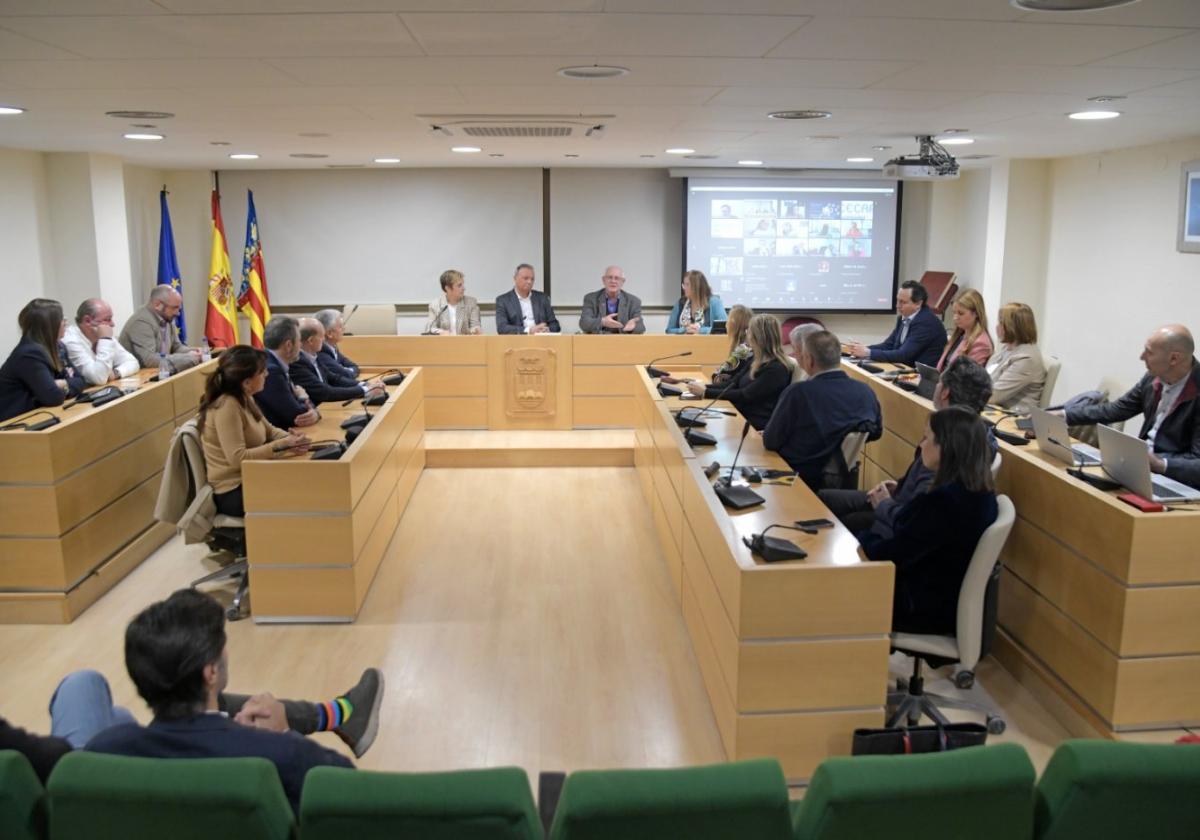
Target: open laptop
[
  {"x": 929, "y": 380},
  {"x": 1125, "y": 460},
  {"x": 1052, "y": 438}
]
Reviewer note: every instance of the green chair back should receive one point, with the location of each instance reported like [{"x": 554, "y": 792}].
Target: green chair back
[
  {"x": 22, "y": 799},
  {"x": 1109, "y": 789},
  {"x": 981, "y": 793},
  {"x": 110, "y": 797},
  {"x": 742, "y": 799},
  {"x": 494, "y": 804}
]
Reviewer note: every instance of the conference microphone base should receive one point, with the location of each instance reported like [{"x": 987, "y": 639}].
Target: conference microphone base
[
  {"x": 356, "y": 420},
  {"x": 656, "y": 373},
  {"x": 689, "y": 421},
  {"x": 394, "y": 379},
  {"x": 773, "y": 549},
  {"x": 739, "y": 497},
  {"x": 698, "y": 438},
  {"x": 1095, "y": 480},
  {"x": 669, "y": 390}
]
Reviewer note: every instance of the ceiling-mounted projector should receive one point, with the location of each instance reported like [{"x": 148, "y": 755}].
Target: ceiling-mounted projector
[{"x": 932, "y": 163}]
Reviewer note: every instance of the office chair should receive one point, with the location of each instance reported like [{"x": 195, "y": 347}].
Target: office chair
[
  {"x": 369, "y": 318},
  {"x": 841, "y": 471},
  {"x": 973, "y": 640},
  {"x": 1053, "y": 366},
  {"x": 996, "y": 462}
]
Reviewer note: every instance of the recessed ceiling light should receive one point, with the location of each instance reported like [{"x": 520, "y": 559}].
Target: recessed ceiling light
[
  {"x": 593, "y": 71},
  {"x": 307, "y": 155},
  {"x": 139, "y": 115},
  {"x": 803, "y": 114},
  {"x": 1094, "y": 115},
  {"x": 750, "y": 163},
  {"x": 9, "y": 110},
  {"x": 243, "y": 156},
  {"x": 387, "y": 160},
  {"x": 1069, "y": 5},
  {"x": 860, "y": 160},
  {"x": 136, "y": 136},
  {"x": 956, "y": 141},
  {"x": 466, "y": 150},
  {"x": 681, "y": 150}
]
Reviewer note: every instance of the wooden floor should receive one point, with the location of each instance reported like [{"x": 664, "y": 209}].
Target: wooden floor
[{"x": 521, "y": 616}]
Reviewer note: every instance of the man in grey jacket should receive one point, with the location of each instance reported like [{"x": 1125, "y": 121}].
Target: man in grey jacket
[
  {"x": 611, "y": 309},
  {"x": 152, "y": 330}
]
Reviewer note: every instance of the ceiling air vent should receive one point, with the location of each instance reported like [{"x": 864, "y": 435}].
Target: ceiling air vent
[
  {"x": 518, "y": 130},
  {"x": 516, "y": 126}
]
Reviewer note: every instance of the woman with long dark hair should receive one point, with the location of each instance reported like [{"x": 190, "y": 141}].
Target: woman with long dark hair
[
  {"x": 233, "y": 430},
  {"x": 35, "y": 373},
  {"x": 935, "y": 533}
]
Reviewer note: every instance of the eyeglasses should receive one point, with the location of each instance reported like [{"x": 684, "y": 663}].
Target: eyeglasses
[{"x": 613, "y": 277}]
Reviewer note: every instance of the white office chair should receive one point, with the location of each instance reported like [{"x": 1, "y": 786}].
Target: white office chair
[
  {"x": 369, "y": 318},
  {"x": 798, "y": 374},
  {"x": 1053, "y": 366},
  {"x": 973, "y": 640}
]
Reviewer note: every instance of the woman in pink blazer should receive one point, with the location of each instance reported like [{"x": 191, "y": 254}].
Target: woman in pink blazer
[{"x": 970, "y": 337}]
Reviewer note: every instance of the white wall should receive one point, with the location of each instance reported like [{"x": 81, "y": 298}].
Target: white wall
[
  {"x": 25, "y": 238},
  {"x": 1113, "y": 273}
]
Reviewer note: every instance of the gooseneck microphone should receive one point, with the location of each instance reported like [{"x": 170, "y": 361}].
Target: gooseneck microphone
[
  {"x": 737, "y": 497},
  {"x": 1096, "y": 481},
  {"x": 436, "y": 318},
  {"x": 694, "y": 437},
  {"x": 773, "y": 549},
  {"x": 655, "y": 373}
]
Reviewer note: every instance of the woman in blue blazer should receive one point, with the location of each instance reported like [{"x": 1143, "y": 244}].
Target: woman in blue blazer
[
  {"x": 34, "y": 374},
  {"x": 696, "y": 311}
]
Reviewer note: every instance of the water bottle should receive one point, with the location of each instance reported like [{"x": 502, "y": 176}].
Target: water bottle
[
  {"x": 164, "y": 367},
  {"x": 205, "y": 351}
]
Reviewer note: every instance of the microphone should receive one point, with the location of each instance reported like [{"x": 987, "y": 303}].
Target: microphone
[
  {"x": 107, "y": 395},
  {"x": 445, "y": 306},
  {"x": 346, "y": 318},
  {"x": 396, "y": 377},
  {"x": 1094, "y": 480},
  {"x": 51, "y": 420},
  {"x": 690, "y": 434},
  {"x": 773, "y": 549},
  {"x": 655, "y": 373},
  {"x": 737, "y": 497}
]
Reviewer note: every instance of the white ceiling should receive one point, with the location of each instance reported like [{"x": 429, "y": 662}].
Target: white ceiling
[{"x": 258, "y": 74}]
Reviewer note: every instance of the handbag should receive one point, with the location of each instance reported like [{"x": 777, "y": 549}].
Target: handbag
[{"x": 900, "y": 740}]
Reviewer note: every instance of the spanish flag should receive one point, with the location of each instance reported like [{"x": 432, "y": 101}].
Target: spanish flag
[
  {"x": 220, "y": 324},
  {"x": 252, "y": 297}
]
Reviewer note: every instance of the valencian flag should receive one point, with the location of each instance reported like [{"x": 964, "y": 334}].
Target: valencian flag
[
  {"x": 220, "y": 324},
  {"x": 168, "y": 264},
  {"x": 252, "y": 298}
]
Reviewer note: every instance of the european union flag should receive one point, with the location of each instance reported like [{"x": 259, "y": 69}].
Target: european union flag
[{"x": 168, "y": 263}]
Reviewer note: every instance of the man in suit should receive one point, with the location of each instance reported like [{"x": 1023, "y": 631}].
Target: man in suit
[
  {"x": 612, "y": 309},
  {"x": 91, "y": 349},
  {"x": 306, "y": 371},
  {"x": 813, "y": 416},
  {"x": 919, "y": 335},
  {"x": 1167, "y": 399},
  {"x": 523, "y": 310},
  {"x": 152, "y": 330},
  {"x": 331, "y": 359},
  {"x": 284, "y": 404}
]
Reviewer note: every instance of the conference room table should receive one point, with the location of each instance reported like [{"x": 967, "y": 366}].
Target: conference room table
[{"x": 1099, "y": 602}]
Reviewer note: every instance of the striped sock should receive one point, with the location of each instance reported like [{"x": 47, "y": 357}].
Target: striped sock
[{"x": 332, "y": 715}]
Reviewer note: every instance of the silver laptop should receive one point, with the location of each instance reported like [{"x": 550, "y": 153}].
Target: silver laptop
[
  {"x": 1125, "y": 460},
  {"x": 1052, "y": 438}
]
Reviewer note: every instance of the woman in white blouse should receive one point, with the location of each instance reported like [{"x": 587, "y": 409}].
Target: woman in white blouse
[
  {"x": 453, "y": 312},
  {"x": 1017, "y": 370}
]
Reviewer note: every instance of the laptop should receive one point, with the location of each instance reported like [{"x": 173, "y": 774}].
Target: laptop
[
  {"x": 1125, "y": 460},
  {"x": 929, "y": 380},
  {"x": 1052, "y": 438},
  {"x": 719, "y": 328}
]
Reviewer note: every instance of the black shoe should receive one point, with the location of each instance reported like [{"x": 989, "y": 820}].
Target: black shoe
[{"x": 359, "y": 731}]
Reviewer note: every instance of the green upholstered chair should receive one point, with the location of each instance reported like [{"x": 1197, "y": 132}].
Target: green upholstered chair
[
  {"x": 494, "y": 804},
  {"x": 981, "y": 793},
  {"x": 110, "y": 797},
  {"x": 22, "y": 799},
  {"x": 742, "y": 799},
  {"x": 1109, "y": 789}
]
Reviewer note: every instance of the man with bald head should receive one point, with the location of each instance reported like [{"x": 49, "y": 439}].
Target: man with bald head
[
  {"x": 612, "y": 309},
  {"x": 91, "y": 348},
  {"x": 152, "y": 330},
  {"x": 307, "y": 373},
  {"x": 1168, "y": 398}
]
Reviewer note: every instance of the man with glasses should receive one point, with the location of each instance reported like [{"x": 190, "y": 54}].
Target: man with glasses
[
  {"x": 152, "y": 330},
  {"x": 611, "y": 309},
  {"x": 91, "y": 349},
  {"x": 919, "y": 335}
]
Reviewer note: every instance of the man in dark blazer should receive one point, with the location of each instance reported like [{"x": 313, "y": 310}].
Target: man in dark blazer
[
  {"x": 523, "y": 310},
  {"x": 282, "y": 403},
  {"x": 331, "y": 359},
  {"x": 612, "y": 309},
  {"x": 306, "y": 371},
  {"x": 1167, "y": 398},
  {"x": 813, "y": 416},
  {"x": 919, "y": 335}
]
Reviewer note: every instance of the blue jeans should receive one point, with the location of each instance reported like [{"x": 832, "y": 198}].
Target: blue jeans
[{"x": 82, "y": 706}]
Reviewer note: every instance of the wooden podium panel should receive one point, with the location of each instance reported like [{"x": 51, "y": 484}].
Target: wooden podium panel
[{"x": 529, "y": 382}]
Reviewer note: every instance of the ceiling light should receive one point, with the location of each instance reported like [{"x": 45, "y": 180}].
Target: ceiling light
[
  {"x": 1094, "y": 115},
  {"x": 139, "y": 115},
  {"x": 9, "y": 110},
  {"x": 681, "y": 151},
  {"x": 860, "y": 160},
  {"x": 387, "y": 160},
  {"x": 243, "y": 156},
  {"x": 750, "y": 163},
  {"x": 955, "y": 131},
  {"x": 466, "y": 150},
  {"x": 1069, "y": 5},
  {"x": 1107, "y": 97},
  {"x": 593, "y": 71},
  {"x": 495, "y": 154},
  {"x": 143, "y": 136},
  {"x": 804, "y": 114},
  {"x": 955, "y": 141}
]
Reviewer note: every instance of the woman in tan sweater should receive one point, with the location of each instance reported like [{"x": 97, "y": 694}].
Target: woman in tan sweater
[{"x": 233, "y": 430}]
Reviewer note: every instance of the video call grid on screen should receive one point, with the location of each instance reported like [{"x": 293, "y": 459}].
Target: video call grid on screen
[{"x": 791, "y": 244}]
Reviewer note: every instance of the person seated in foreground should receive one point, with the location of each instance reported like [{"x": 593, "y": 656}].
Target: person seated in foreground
[
  {"x": 918, "y": 337},
  {"x": 283, "y": 403},
  {"x": 737, "y": 363},
  {"x": 796, "y": 341},
  {"x": 612, "y": 309},
  {"x": 91, "y": 348},
  {"x": 152, "y": 330},
  {"x": 1017, "y": 370},
  {"x": 755, "y": 393},
  {"x": 970, "y": 337},
  {"x": 36, "y": 372},
  {"x": 333, "y": 360},
  {"x": 964, "y": 384},
  {"x": 523, "y": 310},
  {"x": 306, "y": 370},
  {"x": 1166, "y": 397},
  {"x": 697, "y": 308},
  {"x": 813, "y": 417},
  {"x": 936, "y": 532},
  {"x": 176, "y": 655},
  {"x": 453, "y": 312}
]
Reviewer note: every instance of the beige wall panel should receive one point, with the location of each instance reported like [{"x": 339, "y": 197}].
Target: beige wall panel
[
  {"x": 670, "y": 552},
  {"x": 603, "y": 412},
  {"x": 1161, "y": 620},
  {"x": 673, "y": 511},
  {"x": 816, "y": 600},
  {"x": 407, "y": 478},
  {"x": 413, "y": 350},
  {"x": 604, "y": 380},
  {"x": 455, "y": 381},
  {"x": 718, "y": 694},
  {"x": 111, "y": 572},
  {"x": 811, "y": 674},
  {"x": 1158, "y": 690},
  {"x": 367, "y": 563},
  {"x": 297, "y": 485},
  {"x": 640, "y": 349},
  {"x": 873, "y": 474},
  {"x": 278, "y": 593},
  {"x": 699, "y": 521},
  {"x": 304, "y": 539},
  {"x": 801, "y": 741},
  {"x": 456, "y": 412},
  {"x": 1156, "y": 547},
  {"x": 717, "y": 629},
  {"x": 34, "y": 608}
]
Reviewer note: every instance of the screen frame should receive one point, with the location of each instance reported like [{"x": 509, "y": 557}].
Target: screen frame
[{"x": 890, "y": 310}]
